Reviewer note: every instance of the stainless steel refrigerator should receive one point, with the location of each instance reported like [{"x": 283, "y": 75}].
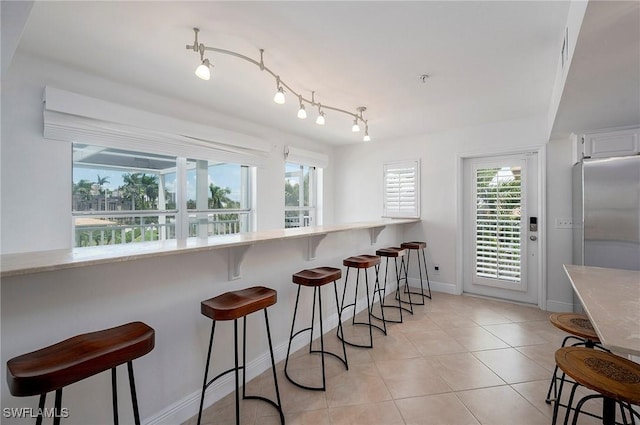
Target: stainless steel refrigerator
[{"x": 606, "y": 212}]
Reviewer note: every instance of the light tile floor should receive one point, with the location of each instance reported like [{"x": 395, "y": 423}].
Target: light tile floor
[{"x": 458, "y": 360}]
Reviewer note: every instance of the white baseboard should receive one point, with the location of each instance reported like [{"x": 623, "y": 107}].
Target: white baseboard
[
  {"x": 559, "y": 306},
  {"x": 447, "y": 288}
]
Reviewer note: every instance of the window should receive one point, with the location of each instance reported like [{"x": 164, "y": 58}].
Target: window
[
  {"x": 401, "y": 180},
  {"x": 217, "y": 198},
  {"x": 498, "y": 223},
  {"x": 123, "y": 196},
  {"x": 300, "y": 198}
]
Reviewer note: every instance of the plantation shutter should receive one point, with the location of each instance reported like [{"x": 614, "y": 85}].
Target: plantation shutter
[
  {"x": 401, "y": 182},
  {"x": 498, "y": 223}
]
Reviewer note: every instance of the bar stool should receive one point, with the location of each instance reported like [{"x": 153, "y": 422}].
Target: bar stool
[
  {"x": 361, "y": 262},
  {"x": 418, "y": 247},
  {"x": 316, "y": 278},
  {"x": 54, "y": 367},
  {"x": 614, "y": 378},
  {"x": 579, "y": 327},
  {"x": 232, "y": 306},
  {"x": 395, "y": 253}
]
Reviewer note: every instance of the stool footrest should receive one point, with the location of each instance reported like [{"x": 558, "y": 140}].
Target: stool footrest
[{"x": 306, "y": 387}]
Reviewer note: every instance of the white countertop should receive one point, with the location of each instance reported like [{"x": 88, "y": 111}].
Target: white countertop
[
  {"x": 611, "y": 299},
  {"x": 43, "y": 261}
]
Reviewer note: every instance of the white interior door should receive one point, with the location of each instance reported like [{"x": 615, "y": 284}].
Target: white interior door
[{"x": 501, "y": 227}]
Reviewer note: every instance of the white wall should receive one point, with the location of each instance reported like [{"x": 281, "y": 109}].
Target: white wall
[
  {"x": 559, "y": 241},
  {"x": 359, "y": 195}
]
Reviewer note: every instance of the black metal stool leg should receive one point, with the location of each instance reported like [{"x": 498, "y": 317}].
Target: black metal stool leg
[
  {"x": 114, "y": 395},
  {"x": 43, "y": 399},
  {"x": 381, "y": 289},
  {"x": 344, "y": 349},
  {"x": 206, "y": 371},
  {"x": 57, "y": 412},
  {"x": 273, "y": 368},
  {"x": 407, "y": 289},
  {"x": 237, "y": 369},
  {"x": 557, "y": 403},
  {"x": 340, "y": 330},
  {"x": 291, "y": 335},
  {"x": 426, "y": 273},
  {"x": 317, "y": 290},
  {"x": 134, "y": 396}
]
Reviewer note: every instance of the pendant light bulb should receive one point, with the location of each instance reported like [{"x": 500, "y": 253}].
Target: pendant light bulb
[
  {"x": 320, "y": 119},
  {"x": 202, "y": 71},
  {"x": 356, "y": 127},
  {"x": 366, "y": 137},
  {"x": 302, "y": 113},
  {"x": 279, "y": 97}
]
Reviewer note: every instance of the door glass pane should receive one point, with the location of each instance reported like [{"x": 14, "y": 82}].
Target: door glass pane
[{"x": 498, "y": 223}]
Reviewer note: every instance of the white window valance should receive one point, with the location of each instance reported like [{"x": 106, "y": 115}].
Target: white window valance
[
  {"x": 76, "y": 118},
  {"x": 305, "y": 157}
]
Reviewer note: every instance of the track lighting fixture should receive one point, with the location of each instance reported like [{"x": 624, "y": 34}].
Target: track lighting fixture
[{"x": 203, "y": 71}]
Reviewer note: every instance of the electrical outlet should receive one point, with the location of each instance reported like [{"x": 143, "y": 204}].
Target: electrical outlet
[
  {"x": 436, "y": 268},
  {"x": 564, "y": 223}
]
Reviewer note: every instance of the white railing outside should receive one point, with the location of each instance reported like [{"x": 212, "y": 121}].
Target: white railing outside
[{"x": 96, "y": 229}]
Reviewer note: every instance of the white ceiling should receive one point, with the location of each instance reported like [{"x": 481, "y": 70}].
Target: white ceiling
[{"x": 487, "y": 61}]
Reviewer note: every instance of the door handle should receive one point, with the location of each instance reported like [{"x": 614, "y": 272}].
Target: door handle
[{"x": 533, "y": 238}]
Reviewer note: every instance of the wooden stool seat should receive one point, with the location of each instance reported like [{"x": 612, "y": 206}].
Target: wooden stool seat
[
  {"x": 77, "y": 358},
  {"x": 317, "y": 277},
  {"x": 235, "y": 304},
  {"x": 361, "y": 261},
  {"x": 413, "y": 245},
  {"x": 575, "y": 324},
  {"x": 391, "y": 252},
  {"x": 606, "y": 373}
]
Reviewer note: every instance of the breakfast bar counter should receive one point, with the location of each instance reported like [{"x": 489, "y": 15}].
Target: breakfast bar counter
[
  {"x": 43, "y": 261},
  {"x": 611, "y": 299}
]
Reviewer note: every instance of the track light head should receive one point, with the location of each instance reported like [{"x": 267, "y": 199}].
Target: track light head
[
  {"x": 302, "y": 113},
  {"x": 366, "y": 137},
  {"x": 279, "y": 97},
  {"x": 203, "y": 71},
  {"x": 320, "y": 119},
  {"x": 356, "y": 127}
]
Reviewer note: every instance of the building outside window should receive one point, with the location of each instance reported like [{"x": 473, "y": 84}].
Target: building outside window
[
  {"x": 300, "y": 193},
  {"x": 122, "y": 196}
]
